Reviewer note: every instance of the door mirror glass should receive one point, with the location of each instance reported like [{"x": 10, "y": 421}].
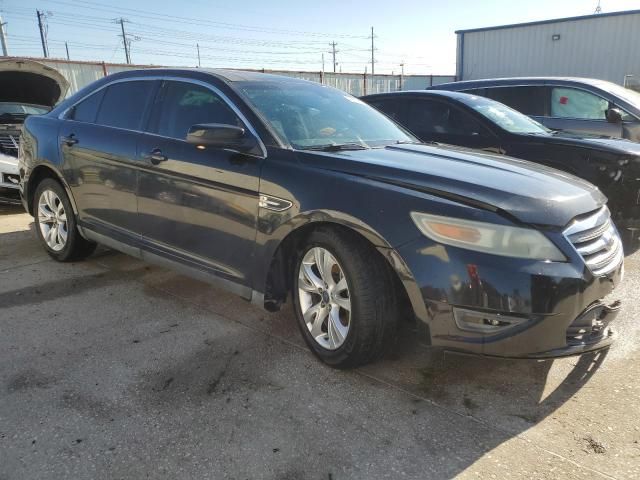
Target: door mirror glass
[
  {"x": 217, "y": 135},
  {"x": 614, "y": 115}
]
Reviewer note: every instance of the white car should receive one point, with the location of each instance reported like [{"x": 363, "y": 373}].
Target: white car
[{"x": 26, "y": 88}]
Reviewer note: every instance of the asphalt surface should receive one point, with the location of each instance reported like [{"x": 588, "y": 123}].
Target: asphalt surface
[{"x": 112, "y": 368}]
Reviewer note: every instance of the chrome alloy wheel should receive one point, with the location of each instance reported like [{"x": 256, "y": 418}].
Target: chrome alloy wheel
[
  {"x": 324, "y": 298},
  {"x": 52, "y": 220}
]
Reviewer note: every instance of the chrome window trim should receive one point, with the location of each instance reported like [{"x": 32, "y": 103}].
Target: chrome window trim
[{"x": 215, "y": 90}]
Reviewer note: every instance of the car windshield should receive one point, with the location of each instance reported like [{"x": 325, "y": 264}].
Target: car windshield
[
  {"x": 20, "y": 109},
  {"x": 311, "y": 116},
  {"x": 505, "y": 117}
]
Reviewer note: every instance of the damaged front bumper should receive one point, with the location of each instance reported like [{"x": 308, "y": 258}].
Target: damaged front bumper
[{"x": 506, "y": 307}]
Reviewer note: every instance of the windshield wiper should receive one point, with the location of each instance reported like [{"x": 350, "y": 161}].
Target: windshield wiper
[{"x": 336, "y": 147}]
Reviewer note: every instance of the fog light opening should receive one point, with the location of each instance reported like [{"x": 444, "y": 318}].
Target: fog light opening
[{"x": 474, "y": 321}]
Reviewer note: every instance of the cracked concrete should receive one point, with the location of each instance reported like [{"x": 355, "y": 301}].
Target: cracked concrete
[{"x": 112, "y": 368}]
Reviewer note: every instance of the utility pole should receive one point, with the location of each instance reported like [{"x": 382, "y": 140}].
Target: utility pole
[
  {"x": 66, "y": 46},
  {"x": 3, "y": 38},
  {"x": 373, "y": 61},
  {"x": 323, "y": 63},
  {"x": 43, "y": 36},
  {"x": 198, "y": 48},
  {"x": 125, "y": 41},
  {"x": 401, "y": 74},
  {"x": 333, "y": 52}
]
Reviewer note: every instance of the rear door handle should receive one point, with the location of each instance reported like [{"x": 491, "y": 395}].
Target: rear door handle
[
  {"x": 69, "y": 139},
  {"x": 155, "y": 156}
]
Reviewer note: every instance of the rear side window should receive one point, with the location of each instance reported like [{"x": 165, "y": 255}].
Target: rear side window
[
  {"x": 527, "y": 100},
  {"x": 184, "y": 104},
  {"x": 124, "y": 104},
  {"x": 87, "y": 109},
  {"x": 575, "y": 103}
]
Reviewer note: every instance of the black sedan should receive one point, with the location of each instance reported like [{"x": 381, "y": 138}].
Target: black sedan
[
  {"x": 472, "y": 121},
  {"x": 275, "y": 188}
]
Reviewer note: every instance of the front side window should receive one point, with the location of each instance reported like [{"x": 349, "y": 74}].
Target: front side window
[
  {"x": 185, "y": 104},
  {"x": 309, "y": 115},
  {"x": 574, "y": 103},
  {"x": 87, "y": 110},
  {"x": 124, "y": 104},
  {"x": 393, "y": 109},
  {"x": 528, "y": 100},
  {"x": 432, "y": 117}
]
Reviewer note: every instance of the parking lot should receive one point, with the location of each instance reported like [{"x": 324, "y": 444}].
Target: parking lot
[{"x": 112, "y": 368}]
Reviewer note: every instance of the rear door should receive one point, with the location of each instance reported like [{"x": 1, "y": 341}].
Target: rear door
[
  {"x": 98, "y": 143},
  {"x": 197, "y": 206}
]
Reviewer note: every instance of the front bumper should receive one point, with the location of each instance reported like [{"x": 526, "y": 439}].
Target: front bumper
[{"x": 532, "y": 309}]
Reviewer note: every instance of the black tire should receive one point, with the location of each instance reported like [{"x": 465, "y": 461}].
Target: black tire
[
  {"x": 374, "y": 312},
  {"x": 76, "y": 247}
]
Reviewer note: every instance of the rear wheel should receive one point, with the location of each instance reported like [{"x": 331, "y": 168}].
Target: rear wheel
[
  {"x": 344, "y": 299},
  {"x": 56, "y": 224}
]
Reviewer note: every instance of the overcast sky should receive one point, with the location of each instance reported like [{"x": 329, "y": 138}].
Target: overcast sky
[{"x": 274, "y": 34}]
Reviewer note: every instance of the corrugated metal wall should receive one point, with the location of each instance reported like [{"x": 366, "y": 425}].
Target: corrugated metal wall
[
  {"x": 80, "y": 74},
  {"x": 604, "y": 47}
]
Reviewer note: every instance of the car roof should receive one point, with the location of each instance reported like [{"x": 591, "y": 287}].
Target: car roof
[
  {"x": 422, "y": 93},
  {"x": 467, "y": 84},
  {"x": 225, "y": 74}
]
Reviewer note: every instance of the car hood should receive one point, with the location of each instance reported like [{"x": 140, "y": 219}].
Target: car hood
[
  {"x": 617, "y": 145},
  {"x": 532, "y": 193},
  {"x": 26, "y": 81}
]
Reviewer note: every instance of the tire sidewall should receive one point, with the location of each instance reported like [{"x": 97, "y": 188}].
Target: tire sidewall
[
  {"x": 340, "y": 354},
  {"x": 55, "y": 187}
]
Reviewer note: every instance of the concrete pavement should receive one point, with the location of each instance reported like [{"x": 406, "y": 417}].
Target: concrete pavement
[{"x": 112, "y": 368}]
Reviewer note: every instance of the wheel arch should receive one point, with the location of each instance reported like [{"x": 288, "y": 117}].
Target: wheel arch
[
  {"x": 37, "y": 175},
  {"x": 281, "y": 259}
]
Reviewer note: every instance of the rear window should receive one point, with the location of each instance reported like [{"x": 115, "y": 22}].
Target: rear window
[
  {"x": 124, "y": 104},
  {"x": 527, "y": 100}
]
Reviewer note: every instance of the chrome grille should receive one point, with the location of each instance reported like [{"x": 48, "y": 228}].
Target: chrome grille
[
  {"x": 9, "y": 142},
  {"x": 597, "y": 241}
]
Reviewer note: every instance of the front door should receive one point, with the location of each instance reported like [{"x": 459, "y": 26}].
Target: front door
[{"x": 197, "y": 206}]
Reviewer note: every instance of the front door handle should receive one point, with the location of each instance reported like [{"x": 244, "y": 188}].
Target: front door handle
[
  {"x": 70, "y": 139},
  {"x": 155, "y": 156}
]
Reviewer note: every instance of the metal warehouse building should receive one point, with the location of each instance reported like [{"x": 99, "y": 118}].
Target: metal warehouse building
[{"x": 604, "y": 46}]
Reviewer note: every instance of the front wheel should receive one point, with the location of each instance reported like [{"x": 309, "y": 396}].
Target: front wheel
[
  {"x": 56, "y": 224},
  {"x": 344, "y": 299}
]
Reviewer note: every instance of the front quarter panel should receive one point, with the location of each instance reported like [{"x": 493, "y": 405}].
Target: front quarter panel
[
  {"x": 320, "y": 192},
  {"x": 39, "y": 147}
]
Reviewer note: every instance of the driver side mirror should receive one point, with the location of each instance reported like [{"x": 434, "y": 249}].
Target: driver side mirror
[
  {"x": 218, "y": 135},
  {"x": 614, "y": 115}
]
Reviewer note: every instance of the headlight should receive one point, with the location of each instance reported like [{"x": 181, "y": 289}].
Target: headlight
[{"x": 488, "y": 237}]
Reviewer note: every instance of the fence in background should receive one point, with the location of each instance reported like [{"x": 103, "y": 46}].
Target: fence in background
[{"x": 80, "y": 74}]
